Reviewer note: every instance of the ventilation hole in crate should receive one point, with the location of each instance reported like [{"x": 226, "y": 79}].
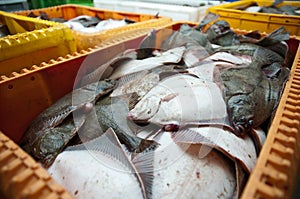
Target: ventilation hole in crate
[{"x": 10, "y": 86}]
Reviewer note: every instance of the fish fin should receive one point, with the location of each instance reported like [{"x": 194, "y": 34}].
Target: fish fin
[
  {"x": 47, "y": 123},
  {"x": 210, "y": 17},
  {"x": 276, "y": 2},
  {"x": 276, "y": 36},
  {"x": 258, "y": 136},
  {"x": 254, "y": 34},
  {"x": 143, "y": 163},
  {"x": 241, "y": 178},
  {"x": 131, "y": 77},
  {"x": 91, "y": 128},
  {"x": 133, "y": 99},
  {"x": 147, "y": 45},
  {"x": 263, "y": 56},
  {"x": 189, "y": 136},
  {"x": 272, "y": 70},
  {"x": 103, "y": 71},
  {"x": 109, "y": 144}
]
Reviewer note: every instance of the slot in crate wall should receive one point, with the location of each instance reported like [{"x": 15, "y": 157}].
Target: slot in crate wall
[{"x": 88, "y": 40}]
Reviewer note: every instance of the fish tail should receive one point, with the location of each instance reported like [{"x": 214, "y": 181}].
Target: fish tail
[
  {"x": 264, "y": 56},
  {"x": 147, "y": 45},
  {"x": 276, "y": 36}
]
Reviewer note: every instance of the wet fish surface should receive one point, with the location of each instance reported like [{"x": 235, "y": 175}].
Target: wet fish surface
[{"x": 171, "y": 117}]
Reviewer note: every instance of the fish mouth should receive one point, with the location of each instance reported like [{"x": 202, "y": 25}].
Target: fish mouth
[{"x": 241, "y": 128}]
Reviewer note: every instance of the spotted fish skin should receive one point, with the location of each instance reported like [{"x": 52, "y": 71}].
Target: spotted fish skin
[{"x": 50, "y": 131}]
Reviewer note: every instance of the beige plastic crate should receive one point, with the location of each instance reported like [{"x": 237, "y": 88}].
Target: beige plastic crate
[{"x": 87, "y": 40}]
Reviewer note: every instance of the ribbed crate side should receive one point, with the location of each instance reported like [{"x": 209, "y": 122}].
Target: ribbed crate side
[
  {"x": 277, "y": 166},
  {"x": 22, "y": 177}
]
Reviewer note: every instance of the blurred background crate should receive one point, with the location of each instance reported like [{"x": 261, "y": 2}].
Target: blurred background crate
[
  {"x": 185, "y": 10},
  {"x": 13, "y": 5},
  {"x": 88, "y": 40},
  {"x": 31, "y": 41},
  {"x": 264, "y": 22}
]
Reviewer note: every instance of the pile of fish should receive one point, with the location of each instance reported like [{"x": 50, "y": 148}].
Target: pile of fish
[
  {"x": 85, "y": 23},
  {"x": 186, "y": 120},
  {"x": 275, "y": 9}
]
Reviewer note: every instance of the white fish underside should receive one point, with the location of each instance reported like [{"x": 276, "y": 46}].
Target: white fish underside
[{"x": 179, "y": 99}]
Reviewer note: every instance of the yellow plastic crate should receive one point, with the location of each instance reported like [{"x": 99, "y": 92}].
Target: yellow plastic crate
[
  {"x": 32, "y": 42},
  {"x": 274, "y": 175},
  {"x": 257, "y": 21},
  {"x": 87, "y": 40}
]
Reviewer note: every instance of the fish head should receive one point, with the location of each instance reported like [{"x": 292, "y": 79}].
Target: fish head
[
  {"x": 47, "y": 148},
  {"x": 241, "y": 113},
  {"x": 145, "y": 109}
]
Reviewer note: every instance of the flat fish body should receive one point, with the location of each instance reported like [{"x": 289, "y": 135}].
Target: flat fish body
[
  {"x": 109, "y": 24},
  {"x": 237, "y": 148},
  {"x": 87, "y": 175},
  {"x": 97, "y": 170},
  {"x": 179, "y": 172},
  {"x": 179, "y": 99},
  {"x": 56, "y": 113},
  {"x": 252, "y": 9}
]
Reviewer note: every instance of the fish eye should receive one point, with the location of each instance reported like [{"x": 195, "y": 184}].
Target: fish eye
[
  {"x": 250, "y": 122},
  {"x": 243, "y": 119}
]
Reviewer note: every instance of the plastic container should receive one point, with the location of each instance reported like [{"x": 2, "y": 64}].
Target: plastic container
[
  {"x": 13, "y": 5},
  {"x": 276, "y": 168},
  {"x": 175, "y": 11},
  {"x": 22, "y": 177},
  {"x": 32, "y": 42},
  {"x": 192, "y": 3},
  {"x": 257, "y": 21},
  {"x": 87, "y": 40}
]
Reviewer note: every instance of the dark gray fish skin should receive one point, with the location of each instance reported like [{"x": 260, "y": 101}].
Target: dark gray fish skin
[
  {"x": 249, "y": 49},
  {"x": 4, "y": 30},
  {"x": 270, "y": 10},
  {"x": 199, "y": 37},
  {"x": 56, "y": 113},
  {"x": 109, "y": 118},
  {"x": 88, "y": 22},
  {"x": 250, "y": 95},
  {"x": 54, "y": 140},
  {"x": 276, "y": 36},
  {"x": 289, "y": 10},
  {"x": 206, "y": 20},
  {"x": 221, "y": 34}
]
